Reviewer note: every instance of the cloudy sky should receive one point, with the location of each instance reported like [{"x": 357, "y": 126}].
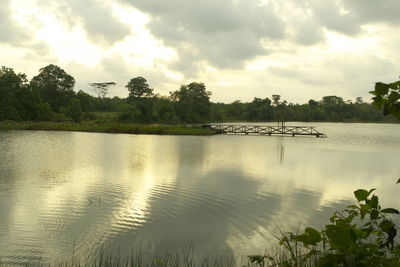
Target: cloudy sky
[{"x": 240, "y": 49}]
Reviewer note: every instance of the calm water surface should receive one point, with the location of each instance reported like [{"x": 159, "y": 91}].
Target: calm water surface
[{"x": 64, "y": 193}]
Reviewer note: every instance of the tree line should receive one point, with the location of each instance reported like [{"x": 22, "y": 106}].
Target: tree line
[{"x": 50, "y": 96}]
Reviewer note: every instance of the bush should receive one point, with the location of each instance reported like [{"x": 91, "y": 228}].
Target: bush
[{"x": 360, "y": 235}]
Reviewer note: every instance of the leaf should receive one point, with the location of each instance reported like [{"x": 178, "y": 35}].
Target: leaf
[
  {"x": 398, "y": 181},
  {"x": 374, "y": 214},
  {"x": 314, "y": 235},
  {"x": 394, "y": 86},
  {"x": 373, "y": 93},
  {"x": 340, "y": 237},
  {"x": 393, "y": 96},
  {"x": 374, "y": 202},
  {"x": 372, "y": 190},
  {"x": 381, "y": 88},
  {"x": 361, "y": 194},
  {"x": 390, "y": 210},
  {"x": 386, "y": 225},
  {"x": 365, "y": 208}
]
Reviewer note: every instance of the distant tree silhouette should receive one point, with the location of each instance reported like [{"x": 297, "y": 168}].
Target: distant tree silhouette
[
  {"x": 138, "y": 87},
  {"x": 101, "y": 89}
]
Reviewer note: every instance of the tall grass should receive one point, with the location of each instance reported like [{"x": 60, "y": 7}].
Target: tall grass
[
  {"x": 138, "y": 259},
  {"x": 275, "y": 257}
]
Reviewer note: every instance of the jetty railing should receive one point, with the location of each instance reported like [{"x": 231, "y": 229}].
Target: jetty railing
[{"x": 265, "y": 130}]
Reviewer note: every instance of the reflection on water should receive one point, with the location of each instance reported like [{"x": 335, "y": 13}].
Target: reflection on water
[
  {"x": 85, "y": 192},
  {"x": 280, "y": 152}
]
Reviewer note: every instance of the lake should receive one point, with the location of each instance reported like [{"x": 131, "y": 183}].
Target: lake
[{"x": 70, "y": 194}]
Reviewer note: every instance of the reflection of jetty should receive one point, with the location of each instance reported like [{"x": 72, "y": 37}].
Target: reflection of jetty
[{"x": 265, "y": 130}]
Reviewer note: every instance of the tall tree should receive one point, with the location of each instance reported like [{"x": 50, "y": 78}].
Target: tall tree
[
  {"x": 332, "y": 100},
  {"x": 11, "y": 85},
  {"x": 101, "y": 89},
  {"x": 259, "y": 109},
  {"x": 193, "y": 102},
  {"x": 312, "y": 103},
  {"x": 279, "y": 109},
  {"x": 17, "y": 99},
  {"x": 54, "y": 85},
  {"x": 275, "y": 100},
  {"x": 138, "y": 87}
]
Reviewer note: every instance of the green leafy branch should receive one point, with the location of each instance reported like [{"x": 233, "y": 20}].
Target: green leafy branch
[
  {"x": 386, "y": 97},
  {"x": 360, "y": 235}
]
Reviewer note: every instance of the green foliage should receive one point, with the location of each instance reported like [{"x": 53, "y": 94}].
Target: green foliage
[
  {"x": 49, "y": 95},
  {"x": 73, "y": 110},
  {"x": 54, "y": 85},
  {"x": 192, "y": 102},
  {"x": 259, "y": 110},
  {"x": 130, "y": 113},
  {"x": 386, "y": 98},
  {"x": 360, "y": 235},
  {"x": 17, "y": 99},
  {"x": 138, "y": 87},
  {"x": 332, "y": 100}
]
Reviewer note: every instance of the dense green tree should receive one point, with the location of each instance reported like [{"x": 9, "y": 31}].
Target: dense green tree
[
  {"x": 192, "y": 102},
  {"x": 73, "y": 110},
  {"x": 50, "y": 96},
  {"x": 236, "y": 110},
  {"x": 11, "y": 87},
  {"x": 54, "y": 85},
  {"x": 138, "y": 87},
  {"x": 130, "y": 113},
  {"x": 259, "y": 110},
  {"x": 88, "y": 103},
  {"x": 17, "y": 99},
  {"x": 332, "y": 100},
  {"x": 164, "y": 110},
  {"x": 312, "y": 103}
]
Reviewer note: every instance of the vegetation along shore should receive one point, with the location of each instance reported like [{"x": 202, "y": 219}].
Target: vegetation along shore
[
  {"x": 127, "y": 128},
  {"x": 51, "y": 96}
]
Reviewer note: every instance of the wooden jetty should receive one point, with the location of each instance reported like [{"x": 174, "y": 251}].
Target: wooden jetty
[{"x": 265, "y": 130}]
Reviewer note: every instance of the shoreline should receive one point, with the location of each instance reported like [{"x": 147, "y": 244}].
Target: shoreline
[{"x": 117, "y": 128}]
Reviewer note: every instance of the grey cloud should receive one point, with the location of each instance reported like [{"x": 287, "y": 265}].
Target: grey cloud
[
  {"x": 305, "y": 75},
  {"x": 348, "y": 16},
  {"x": 10, "y": 31},
  {"x": 386, "y": 11},
  {"x": 328, "y": 14},
  {"x": 224, "y": 33},
  {"x": 98, "y": 20},
  {"x": 308, "y": 33},
  {"x": 188, "y": 62},
  {"x": 95, "y": 15}
]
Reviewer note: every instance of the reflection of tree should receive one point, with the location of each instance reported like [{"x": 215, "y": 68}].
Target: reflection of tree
[{"x": 280, "y": 152}]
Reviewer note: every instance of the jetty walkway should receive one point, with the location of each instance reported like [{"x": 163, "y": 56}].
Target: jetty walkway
[{"x": 264, "y": 130}]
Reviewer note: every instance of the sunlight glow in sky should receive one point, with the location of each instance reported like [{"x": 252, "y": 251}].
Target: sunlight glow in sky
[{"x": 239, "y": 49}]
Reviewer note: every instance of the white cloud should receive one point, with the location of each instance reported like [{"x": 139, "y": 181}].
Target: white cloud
[{"x": 239, "y": 49}]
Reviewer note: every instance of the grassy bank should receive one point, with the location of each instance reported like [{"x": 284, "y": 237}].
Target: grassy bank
[{"x": 107, "y": 128}]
